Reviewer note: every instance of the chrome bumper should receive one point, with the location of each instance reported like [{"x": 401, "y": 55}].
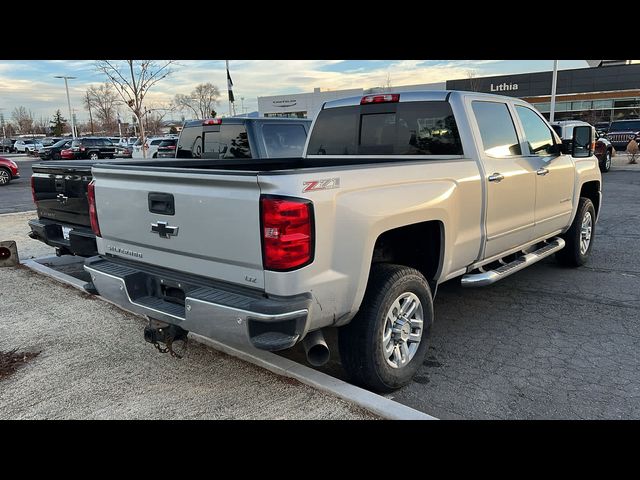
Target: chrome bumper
[{"x": 230, "y": 315}]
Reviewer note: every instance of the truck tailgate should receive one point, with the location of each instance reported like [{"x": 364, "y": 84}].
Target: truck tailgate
[
  {"x": 214, "y": 230},
  {"x": 61, "y": 193}
]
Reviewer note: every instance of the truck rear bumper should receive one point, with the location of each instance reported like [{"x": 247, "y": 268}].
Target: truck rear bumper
[
  {"x": 221, "y": 311},
  {"x": 81, "y": 242}
]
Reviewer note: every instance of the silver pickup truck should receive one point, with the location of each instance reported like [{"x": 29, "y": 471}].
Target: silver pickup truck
[{"x": 395, "y": 194}]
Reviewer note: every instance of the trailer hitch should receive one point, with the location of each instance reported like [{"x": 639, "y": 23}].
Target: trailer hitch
[{"x": 158, "y": 333}]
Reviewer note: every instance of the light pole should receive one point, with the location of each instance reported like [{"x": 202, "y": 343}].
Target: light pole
[
  {"x": 66, "y": 85},
  {"x": 554, "y": 80}
]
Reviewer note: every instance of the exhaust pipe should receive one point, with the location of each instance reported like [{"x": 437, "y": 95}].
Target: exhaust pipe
[{"x": 315, "y": 346}]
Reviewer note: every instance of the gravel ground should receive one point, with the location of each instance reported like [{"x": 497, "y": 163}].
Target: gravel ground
[
  {"x": 94, "y": 364},
  {"x": 14, "y": 226}
]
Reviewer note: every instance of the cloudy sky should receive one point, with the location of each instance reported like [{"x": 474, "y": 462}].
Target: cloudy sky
[{"x": 32, "y": 84}]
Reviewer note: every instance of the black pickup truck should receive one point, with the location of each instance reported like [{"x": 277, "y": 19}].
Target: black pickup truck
[{"x": 60, "y": 189}]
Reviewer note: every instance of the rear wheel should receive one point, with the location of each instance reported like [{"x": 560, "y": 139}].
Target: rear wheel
[
  {"x": 5, "y": 177},
  {"x": 94, "y": 156},
  {"x": 579, "y": 238},
  {"x": 386, "y": 342},
  {"x": 605, "y": 163}
]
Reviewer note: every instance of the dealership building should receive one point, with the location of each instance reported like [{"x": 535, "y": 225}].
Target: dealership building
[{"x": 610, "y": 90}]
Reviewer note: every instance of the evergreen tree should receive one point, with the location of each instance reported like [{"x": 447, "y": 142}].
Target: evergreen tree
[{"x": 57, "y": 124}]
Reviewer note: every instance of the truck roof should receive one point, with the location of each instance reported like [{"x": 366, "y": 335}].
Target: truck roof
[
  {"x": 418, "y": 96},
  {"x": 243, "y": 120}
]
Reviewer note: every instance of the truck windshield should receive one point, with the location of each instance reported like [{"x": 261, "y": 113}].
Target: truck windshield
[
  {"x": 624, "y": 126},
  {"x": 411, "y": 128}
]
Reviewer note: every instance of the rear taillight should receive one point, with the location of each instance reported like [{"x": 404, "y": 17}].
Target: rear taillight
[
  {"x": 212, "y": 121},
  {"x": 387, "y": 98},
  {"x": 287, "y": 232},
  {"x": 171, "y": 147},
  {"x": 33, "y": 190},
  {"x": 93, "y": 213}
]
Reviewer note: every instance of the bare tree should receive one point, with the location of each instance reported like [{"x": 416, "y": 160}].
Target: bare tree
[
  {"x": 201, "y": 101},
  {"x": 41, "y": 125},
  {"x": 474, "y": 85},
  {"x": 132, "y": 80},
  {"x": 88, "y": 104},
  {"x": 104, "y": 101},
  {"x": 387, "y": 83},
  {"x": 155, "y": 115},
  {"x": 23, "y": 119}
]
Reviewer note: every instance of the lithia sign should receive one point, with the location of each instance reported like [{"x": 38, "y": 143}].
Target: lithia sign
[{"x": 502, "y": 87}]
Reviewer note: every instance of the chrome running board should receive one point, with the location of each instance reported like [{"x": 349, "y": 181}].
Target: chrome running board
[{"x": 492, "y": 276}]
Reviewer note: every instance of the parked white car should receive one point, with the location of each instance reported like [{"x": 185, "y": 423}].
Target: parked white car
[
  {"x": 27, "y": 146},
  {"x": 151, "y": 145}
]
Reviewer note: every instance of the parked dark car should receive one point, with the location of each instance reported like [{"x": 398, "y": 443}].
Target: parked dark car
[
  {"x": 53, "y": 152},
  {"x": 48, "y": 141},
  {"x": 621, "y": 132},
  {"x": 167, "y": 148},
  {"x": 8, "y": 171},
  {"x": 92, "y": 148},
  {"x": 7, "y": 145}
]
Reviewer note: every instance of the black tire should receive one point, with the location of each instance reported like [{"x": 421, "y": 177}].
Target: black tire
[
  {"x": 605, "y": 163},
  {"x": 572, "y": 255},
  {"x": 360, "y": 342},
  {"x": 92, "y": 154},
  {"x": 5, "y": 176}
]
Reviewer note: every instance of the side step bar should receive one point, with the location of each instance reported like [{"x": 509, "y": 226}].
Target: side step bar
[{"x": 492, "y": 276}]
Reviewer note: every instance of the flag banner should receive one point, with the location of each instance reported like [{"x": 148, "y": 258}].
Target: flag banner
[{"x": 229, "y": 85}]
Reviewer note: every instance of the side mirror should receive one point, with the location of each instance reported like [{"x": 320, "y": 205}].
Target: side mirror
[{"x": 582, "y": 143}]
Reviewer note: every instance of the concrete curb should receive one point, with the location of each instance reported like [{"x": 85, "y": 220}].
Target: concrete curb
[{"x": 372, "y": 402}]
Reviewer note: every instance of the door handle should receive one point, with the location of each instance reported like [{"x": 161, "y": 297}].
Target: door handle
[
  {"x": 496, "y": 177},
  {"x": 542, "y": 171}
]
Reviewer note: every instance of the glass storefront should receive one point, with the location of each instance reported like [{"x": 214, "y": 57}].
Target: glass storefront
[{"x": 593, "y": 111}]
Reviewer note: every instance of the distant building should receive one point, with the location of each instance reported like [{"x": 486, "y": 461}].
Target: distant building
[{"x": 608, "y": 91}]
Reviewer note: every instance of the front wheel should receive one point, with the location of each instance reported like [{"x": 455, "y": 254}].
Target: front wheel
[
  {"x": 579, "y": 237},
  {"x": 94, "y": 156},
  {"x": 5, "y": 177},
  {"x": 386, "y": 342}
]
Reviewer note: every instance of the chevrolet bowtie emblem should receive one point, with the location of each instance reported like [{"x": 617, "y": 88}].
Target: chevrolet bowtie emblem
[
  {"x": 164, "y": 230},
  {"x": 62, "y": 198}
]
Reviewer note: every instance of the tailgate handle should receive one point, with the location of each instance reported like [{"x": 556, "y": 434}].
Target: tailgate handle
[{"x": 161, "y": 203}]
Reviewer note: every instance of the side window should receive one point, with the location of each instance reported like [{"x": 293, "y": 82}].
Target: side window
[
  {"x": 499, "y": 138},
  {"x": 230, "y": 142},
  {"x": 538, "y": 135},
  {"x": 284, "y": 140}
]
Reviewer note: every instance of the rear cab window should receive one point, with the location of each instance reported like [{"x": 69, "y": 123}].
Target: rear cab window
[
  {"x": 409, "y": 128},
  {"x": 225, "y": 141},
  {"x": 284, "y": 140}
]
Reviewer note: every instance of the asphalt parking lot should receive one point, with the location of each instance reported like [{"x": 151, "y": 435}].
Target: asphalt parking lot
[{"x": 16, "y": 197}]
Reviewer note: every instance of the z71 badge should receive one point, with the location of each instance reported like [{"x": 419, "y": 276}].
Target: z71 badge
[{"x": 324, "y": 184}]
